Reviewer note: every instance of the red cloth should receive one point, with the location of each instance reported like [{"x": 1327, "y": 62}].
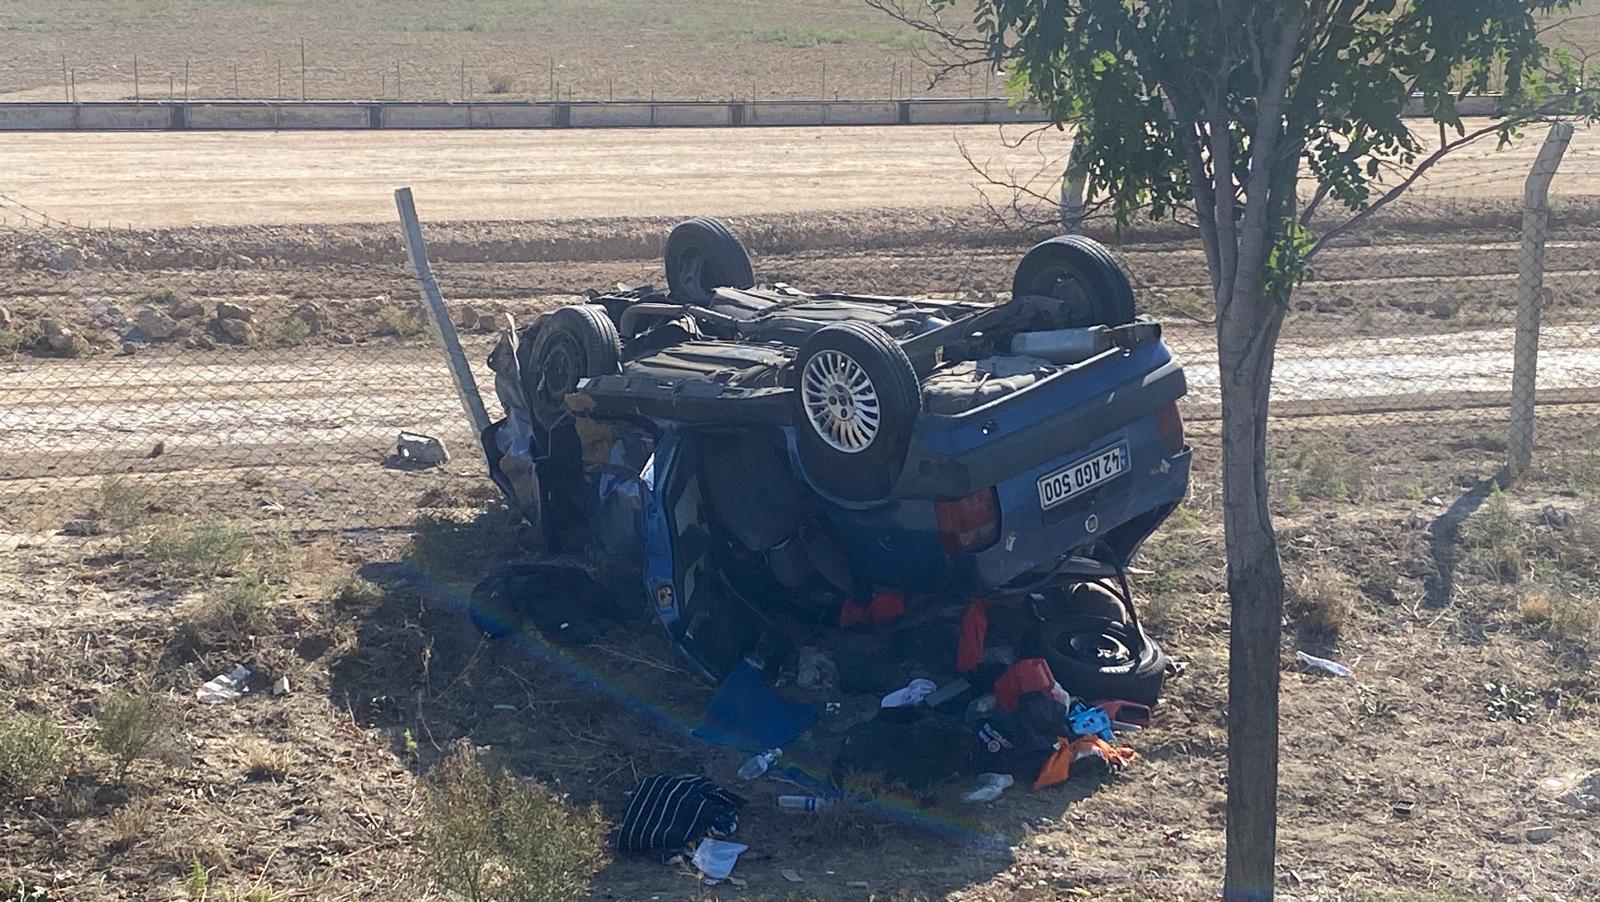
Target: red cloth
[
  {"x": 1025, "y": 676},
  {"x": 885, "y": 606},
  {"x": 974, "y": 629}
]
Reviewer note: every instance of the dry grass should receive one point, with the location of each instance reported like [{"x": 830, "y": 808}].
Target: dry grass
[
  {"x": 233, "y": 611},
  {"x": 1319, "y": 601},
  {"x": 1493, "y": 539},
  {"x": 264, "y": 761},
  {"x": 124, "y": 504},
  {"x": 130, "y": 823},
  {"x": 501, "y": 83},
  {"x": 206, "y": 548}
]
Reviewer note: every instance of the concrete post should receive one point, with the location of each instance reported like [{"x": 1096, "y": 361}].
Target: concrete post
[
  {"x": 438, "y": 316},
  {"x": 1530, "y": 296}
]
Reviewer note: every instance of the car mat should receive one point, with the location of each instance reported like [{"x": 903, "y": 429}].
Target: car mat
[{"x": 747, "y": 713}]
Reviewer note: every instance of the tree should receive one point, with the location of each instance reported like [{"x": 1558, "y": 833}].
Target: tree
[{"x": 1218, "y": 110}]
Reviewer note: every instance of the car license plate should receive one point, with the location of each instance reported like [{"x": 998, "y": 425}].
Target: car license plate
[{"x": 1076, "y": 478}]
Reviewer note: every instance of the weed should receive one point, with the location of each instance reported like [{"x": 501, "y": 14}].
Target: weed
[
  {"x": 1323, "y": 474},
  {"x": 128, "y": 724},
  {"x": 130, "y": 823},
  {"x": 805, "y": 38},
  {"x": 488, "y": 837},
  {"x": 1413, "y": 491},
  {"x": 196, "y": 881},
  {"x": 1493, "y": 538},
  {"x": 12, "y": 341},
  {"x": 33, "y": 754},
  {"x": 206, "y": 548},
  {"x": 1320, "y": 600},
  {"x": 266, "y": 762},
  {"x": 401, "y": 322},
  {"x": 358, "y": 593},
  {"x": 232, "y": 611},
  {"x": 1574, "y": 619},
  {"x": 77, "y": 346},
  {"x": 123, "y": 503},
  {"x": 1534, "y": 608},
  {"x": 501, "y": 83}
]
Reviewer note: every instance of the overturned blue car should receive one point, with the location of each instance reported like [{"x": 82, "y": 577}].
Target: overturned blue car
[{"x": 780, "y": 466}]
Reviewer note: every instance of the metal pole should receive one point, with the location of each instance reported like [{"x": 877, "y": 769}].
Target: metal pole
[
  {"x": 66, "y": 84},
  {"x": 136, "y": 78},
  {"x": 438, "y": 315},
  {"x": 74, "y": 82},
  {"x": 235, "y": 81},
  {"x": 186, "y": 80},
  {"x": 553, "y": 96},
  {"x": 280, "y": 79},
  {"x": 302, "y": 69},
  {"x": 398, "y": 94},
  {"x": 463, "y": 79},
  {"x": 1530, "y": 296}
]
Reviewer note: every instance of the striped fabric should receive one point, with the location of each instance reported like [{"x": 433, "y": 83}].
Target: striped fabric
[{"x": 667, "y": 813}]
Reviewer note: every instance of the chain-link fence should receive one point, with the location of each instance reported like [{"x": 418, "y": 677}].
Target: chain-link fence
[{"x": 266, "y": 372}]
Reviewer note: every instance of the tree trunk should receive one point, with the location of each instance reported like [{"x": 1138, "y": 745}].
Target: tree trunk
[{"x": 1247, "y": 334}]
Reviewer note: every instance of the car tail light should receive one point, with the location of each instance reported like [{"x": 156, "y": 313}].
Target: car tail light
[
  {"x": 1169, "y": 425},
  {"x": 971, "y": 523}
]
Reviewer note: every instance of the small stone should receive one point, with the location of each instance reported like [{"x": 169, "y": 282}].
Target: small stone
[
  {"x": 237, "y": 331},
  {"x": 314, "y": 315},
  {"x": 6, "y": 319},
  {"x": 204, "y": 343},
  {"x": 1445, "y": 308},
  {"x": 470, "y": 319},
  {"x": 281, "y": 687},
  {"x": 155, "y": 325},
  {"x": 187, "y": 308},
  {"x": 1542, "y": 833},
  {"x": 59, "y": 338},
  {"x": 129, "y": 348},
  {"x": 228, "y": 310},
  {"x": 793, "y": 876},
  {"x": 83, "y": 528}
]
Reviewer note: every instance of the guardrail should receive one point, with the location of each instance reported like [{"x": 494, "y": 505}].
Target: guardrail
[{"x": 294, "y": 115}]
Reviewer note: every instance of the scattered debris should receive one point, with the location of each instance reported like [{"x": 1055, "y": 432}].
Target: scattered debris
[
  {"x": 758, "y": 764},
  {"x": 1540, "y": 834},
  {"x": 1506, "y": 703},
  {"x": 793, "y": 876},
  {"x": 1553, "y": 517},
  {"x": 225, "y": 687},
  {"x": 1323, "y": 664},
  {"x": 715, "y": 858},
  {"x": 314, "y": 315},
  {"x": 801, "y": 804},
  {"x": 990, "y": 786},
  {"x": 419, "y": 450},
  {"x": 815, "y": 670},
  {"x": 1586, "y": 795},
  {"x": 1404, "y": 808},
  {"x": 1173, "y": 837},
  {"x": 912, "y": 694},
  {"x": 859, "y": 884},
  {"x": 57, "y": 337},
  {"x": 281, "y": 685},
  {"x": 6, "y": 319},
  {"x": 187, "y": 308}
]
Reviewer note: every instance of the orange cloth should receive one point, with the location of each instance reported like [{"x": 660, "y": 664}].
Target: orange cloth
[
  {"x": 974, "y": 630},
  {"x": 885, "y": 606},
  {"x": 1059, "y": 766}
]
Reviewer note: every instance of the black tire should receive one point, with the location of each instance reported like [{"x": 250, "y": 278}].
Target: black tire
[
  {"x": 1081, "y": 272},
  {"x": 863, "y": 457},
  {"x": 1097, "y": 659},
  {"x": 573, "y": 344},
  {"x": 703, "y": 255}
]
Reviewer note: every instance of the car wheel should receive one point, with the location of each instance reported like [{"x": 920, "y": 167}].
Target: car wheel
[
  {"x": 703, "y": 255},
  {"x": 1097, "y": 659},
  {"x": 1081, "y": 273},
  {"x": 856, "y": 399},
  {"x": 573, "y": 344}
]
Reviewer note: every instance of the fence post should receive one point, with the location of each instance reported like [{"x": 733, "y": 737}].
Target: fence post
[
  {"x": 1074, "y": 183},
  {"x": 438, "y": 315},
  {"x": 1530, "y": 296}
]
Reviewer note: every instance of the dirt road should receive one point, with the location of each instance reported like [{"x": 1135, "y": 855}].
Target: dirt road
[{"x": 155, "y": 179}]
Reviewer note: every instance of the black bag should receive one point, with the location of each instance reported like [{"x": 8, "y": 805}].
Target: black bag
[
  {"x": 913, "y": 745},
  {"x": 1019, "y": 742}
]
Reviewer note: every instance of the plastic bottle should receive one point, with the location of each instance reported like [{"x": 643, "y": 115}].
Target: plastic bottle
[
  {"x": 799, "y": 804},
  {"x": 758, "y": 764}
]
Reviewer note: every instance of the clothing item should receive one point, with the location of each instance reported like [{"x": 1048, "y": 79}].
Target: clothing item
[
  {"x": 1058, "y": 768},
  {"x": 666, "y": 814},
  {"x": 884, "y": 607},
  {"x": 913, "y": 694},
  {"x": 913, "y": 745},
  {"x": 974, "y": 630},
  {"x": 1025, "y": 676}
]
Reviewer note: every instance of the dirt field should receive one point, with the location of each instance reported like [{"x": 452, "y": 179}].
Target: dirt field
[{"x": 148, "y": 180}]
